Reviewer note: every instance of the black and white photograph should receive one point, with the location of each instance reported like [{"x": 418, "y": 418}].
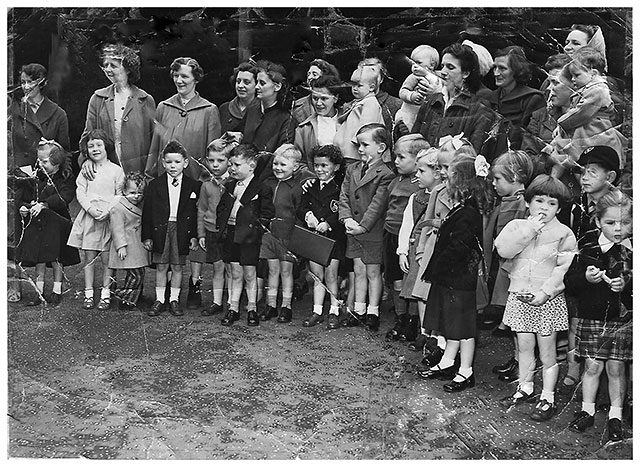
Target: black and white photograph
[{"x": 358, "y": 232}]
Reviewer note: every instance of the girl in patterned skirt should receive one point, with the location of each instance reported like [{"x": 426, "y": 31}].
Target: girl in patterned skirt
[
  {"x": 540, "y": 250},
  {"x": 600, "y": 277}
]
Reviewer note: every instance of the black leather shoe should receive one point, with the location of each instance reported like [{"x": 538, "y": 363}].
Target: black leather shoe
[
  {"x": 156, "y": 308},
  {"x": 543, "y": 411},
  {"x": 394, "y": 333},
  {"x": 230, "y": 317},
  {"x": 439, "y": 373},
  {"x": 268, "y": 313},
  {"x": 457, "y": 386},
  {"x": 418, "y": 344},
  {"x": 54, "y": 299},
  {"x": 433, "y": 358},
  {"x": 211, "y": 310},
  {"x": 581, "y": 422},
  {"x": 509, "y": 377},
  {"x": 410, "y": 330},
  {"x": 252, "y": 318},
  {"x": 372, "y": 322},
  {"x": 614, "y": 427},
  {"x": 194, "y": 297},
  {"x": 174, "y": 308},
  {"x": 313, "y": 320},
  {"x": 506, "y": 367},
  {"x": 285, "y": 315},
  {"x": 352, "y": 320},
  {"x": 333, "y": 322},
  {"x": 512, "y": 400}
]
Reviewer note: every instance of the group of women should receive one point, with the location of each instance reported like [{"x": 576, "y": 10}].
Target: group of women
[{"x": 513, "y": 114}]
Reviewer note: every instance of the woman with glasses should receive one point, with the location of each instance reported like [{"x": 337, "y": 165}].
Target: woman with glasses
[{"x": 121, "y": 109}]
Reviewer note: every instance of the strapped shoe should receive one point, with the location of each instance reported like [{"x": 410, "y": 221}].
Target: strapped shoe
[
  {"x": 230, "y": 317},
  {"x": 615, "y": 430},
  {"x": 543, "y": 411},
  {"x": 439, "y": 373},
  {"x": 313, "y": 320},
  {"x": 457, "y": 386},
  {"x": 285, "y": 315},
  {"x": 268, "y": 313},
  {"x": 519, "y": 397},
  {"x": 333, "y": 322},
  {"x": 581, "y": 422}
]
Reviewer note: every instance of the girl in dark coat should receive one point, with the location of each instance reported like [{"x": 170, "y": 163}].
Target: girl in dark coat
[
  {"x": 453, "y": 271},
  {"x": 44, "y": 208}
]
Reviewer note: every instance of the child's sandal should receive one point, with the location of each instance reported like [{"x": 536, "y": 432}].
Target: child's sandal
[
  {"x": 104, "y": 304},
  {"x": 87, "y": 304}
]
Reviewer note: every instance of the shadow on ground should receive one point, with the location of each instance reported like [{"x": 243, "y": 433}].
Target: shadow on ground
[{"x": 122, "y": 385}]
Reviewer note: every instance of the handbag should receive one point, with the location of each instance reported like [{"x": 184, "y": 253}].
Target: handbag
[{"x": 311, "y": 245}]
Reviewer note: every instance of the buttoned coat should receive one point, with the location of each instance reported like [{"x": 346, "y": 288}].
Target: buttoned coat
[
  {"x": 155, "y": 213},
  {"x": 268, "y": 129},
  {"x": 194, "y": 126},
  {"x": 232, "y": 118},
  {"x": 324, "y": 205},
  {"x": 137, "y": 125},
  {"x": 49, "y": 122},
  {"x": 255, "y": 213},
  {"x": 125, "y": 221},
  {"x": 365, "y": 198}
]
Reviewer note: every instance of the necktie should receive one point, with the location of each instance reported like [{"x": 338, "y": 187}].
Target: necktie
[
  {"x": 174, "y": 182},
  {"x": 365, "y": 166}
]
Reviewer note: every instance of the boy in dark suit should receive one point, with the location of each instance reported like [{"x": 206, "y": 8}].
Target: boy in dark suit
[
  {"x": 363, "y": 201},
  {"x": 169, "y": 224},
  {"x": 244, "y": 211}
]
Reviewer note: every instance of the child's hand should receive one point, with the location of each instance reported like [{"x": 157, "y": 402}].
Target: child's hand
[
  {"x": 536, "y": 223},
  {"x": 404, "y": 263},
  {"x": 616, "y": 285},
  {"x": 306, "y": 184},
  {"x": 35, "y": 209},
  {"x": 322, "y": 227},
  {"x": 539, "y": 298},
  {"x": 203, "y": 243},
  {"x": 358, "y": 230},
  {"x": 416, "y": 97},
  {"x": 311, "y": 220},
  {"x": 193, "y": 244},
  {"x": 593, "y": 275},
  {"x": 122, "y": 252},
  {"x": 148, "y": 244},
  {"x": 350, "y": 224},
  {"x": 102, "y": 215}
]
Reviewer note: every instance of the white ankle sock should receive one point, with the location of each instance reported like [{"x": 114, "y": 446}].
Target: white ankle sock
[
  {"x": 589, "y": 407},
  {"x": 105, "y": 292},
  {"x": 317, "y": 309},
  {"x": 217, "y": 296},
  {"x": 334, "y": 310},
  {"x": 359, "y": 308},
  {"x": 57, "y": 287},
  {"x": 160, "y": 294},
  {"x": 40, "y": 286},
  {"x": 548, "y": 396},
  {"x": 174, "y": 296},
  {"x": 615, "y": 412},
  {"x": 373, "y": 310}
]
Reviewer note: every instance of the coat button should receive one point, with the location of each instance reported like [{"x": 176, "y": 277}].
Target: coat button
[
  {"x": 355, "y": 212},
  {"x": 357, "y": 197},
  {"x": 125, "y": 119}
]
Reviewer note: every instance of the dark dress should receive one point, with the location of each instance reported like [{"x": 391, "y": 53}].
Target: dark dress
[
  {"x": 234, "y": 119},
  {"x": 453, "y": 273},
  {"x": 44, "y": 239},
  {"x": 269, "y": 129}
]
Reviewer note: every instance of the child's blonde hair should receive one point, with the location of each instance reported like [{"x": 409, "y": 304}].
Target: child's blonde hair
[
  {"x": 369, "y": 74},
  {"x": 137, "y": 178},
  {"x": 289, "y": 151},
  {"x": 426, "y": 51},
  {"x": 514, "y": 166},
  {"x": 429, "y": 157},
  {"x": 613, "y": 199},
  {"x": 415, "y": 141},
  {"x": 589, "y": 58}
]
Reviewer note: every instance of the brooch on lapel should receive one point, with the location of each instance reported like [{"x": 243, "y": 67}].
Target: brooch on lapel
[{"x": 333, "y": 205}]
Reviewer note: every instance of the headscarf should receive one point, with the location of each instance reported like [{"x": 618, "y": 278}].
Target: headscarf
[
  {"x": 597, "y": 42},
  {"x": 485, "y": 60}
]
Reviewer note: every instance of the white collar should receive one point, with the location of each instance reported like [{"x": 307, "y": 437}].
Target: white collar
[
  {"x": 170, "y": 178},
  {"x": 606, "y": 245},
  {"x": 246, "y": 181}
]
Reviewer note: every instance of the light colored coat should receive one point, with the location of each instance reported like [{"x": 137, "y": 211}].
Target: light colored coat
[
  {"x": 539, "y": 260},
  {"x": 359, "y": 113},
  {"x": 137, "y": 124},
  {"x": 126, "y": 230}
]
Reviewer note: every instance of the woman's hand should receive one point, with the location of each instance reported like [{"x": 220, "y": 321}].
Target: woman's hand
[
  {"x": 539, "y": 298},
  {"x": 203, "y": 243},
  {"x": 148, "y": 244},
  {"x": 404, "y": 263},
  {"x": 88, "y": 170},
  {"x": 193, "y": 244},
  {"x": 425, "y": 87},
  {"x": 616, "y": 285},
  {"x": 122, "y": 252}
]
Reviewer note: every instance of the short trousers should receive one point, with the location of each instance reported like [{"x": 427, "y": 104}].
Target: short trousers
[
  {"x": 170, "y": 253},
  {"x": 369, "y": 251},
  {"x": 247, "y": 254},
  {"x": 214, "y": 247},
  {"x": 273, "y": 247}
]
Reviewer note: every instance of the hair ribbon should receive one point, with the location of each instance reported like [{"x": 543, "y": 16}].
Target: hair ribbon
[
  {"x": 482, "y": 166},
  {"x": 456, "y": 141}
]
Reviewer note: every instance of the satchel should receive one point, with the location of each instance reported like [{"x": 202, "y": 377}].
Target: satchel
[{"x": 311, "y": 245}]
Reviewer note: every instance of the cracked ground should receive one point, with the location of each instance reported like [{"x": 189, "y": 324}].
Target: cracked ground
[{"x": 122, "y": 385}]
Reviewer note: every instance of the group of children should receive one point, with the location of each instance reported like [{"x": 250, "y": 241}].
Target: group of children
[{"x": 448, "y": 232}]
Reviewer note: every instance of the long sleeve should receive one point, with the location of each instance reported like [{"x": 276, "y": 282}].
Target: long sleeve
[
  {"x": 408, "y": 87},
  {"x": 344, "y": 206},
  {"x": 64, "y": 193},
  {"x": 82, "y": 195},
  {"x": 591, "y": 101},
  {"x": 514, "y": 238},
  {"x": 203, "y": 206},
  {"x": 117, "y": 224},
  {"x": 153, "y": 158},
  {"x": 566, "y": 251},
  {"x": 147, "y": 213},
  {"x": 378, "y": 203},
  {"x": 214, "y": 127},
  {"x": 406, "y": 227}
]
